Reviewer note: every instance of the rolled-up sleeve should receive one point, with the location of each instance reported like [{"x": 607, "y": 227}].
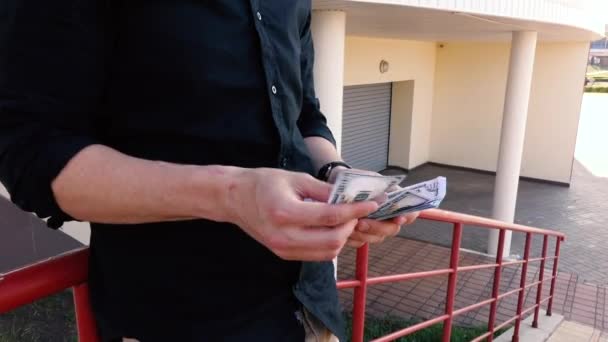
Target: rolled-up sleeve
[
  {"x": 52, "y": 59},
  {"x": 311, "y": 122}
]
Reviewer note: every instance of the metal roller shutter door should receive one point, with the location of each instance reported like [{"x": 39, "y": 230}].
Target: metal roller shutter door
[{"x": 366, "y": 126}]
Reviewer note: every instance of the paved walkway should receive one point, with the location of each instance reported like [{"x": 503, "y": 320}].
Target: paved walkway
[
  {"x": 574, "y": 332},
  {"x": 425, "y": 298}
]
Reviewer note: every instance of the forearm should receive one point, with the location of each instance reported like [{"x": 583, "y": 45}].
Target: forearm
[
  {"x": 103, "y": 185},
  {"x": 321, "y": 151}
]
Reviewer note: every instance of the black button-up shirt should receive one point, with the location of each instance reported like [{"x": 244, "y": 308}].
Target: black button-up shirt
[{"x": 197, "y": 82}]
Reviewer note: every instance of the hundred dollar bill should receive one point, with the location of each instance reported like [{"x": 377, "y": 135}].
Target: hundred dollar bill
[
  {"x": 355, "y": 186},
  {"x": 416, "y": 197}
]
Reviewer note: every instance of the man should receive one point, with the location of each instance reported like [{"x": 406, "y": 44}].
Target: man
[{"x": 186, "y": 132}]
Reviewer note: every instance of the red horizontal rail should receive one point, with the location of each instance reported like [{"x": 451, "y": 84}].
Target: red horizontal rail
[
  {"x": 42, "y": 279},
  {"x": 497, "y": 328},
  {"x": 482, "y": 337},
  {"x": 533, "y": 307},
  {"x": 412, "y": 329},
  {"x": 514, "y": 262},
  {"x": 539, "y": 282},
  {"x": 533, "y": 284},
  {"x": 452, "y": 217},
  {"x": 505, "y": 323},
  {"x": 541, "y": 258},
  {"x": 476, "y": 267},
  {"x": 473, "y": 307},
  {"x": 509, "y": 293},
  {"x": 407, "y": 276},
  {"x": 347, "y": 284}
]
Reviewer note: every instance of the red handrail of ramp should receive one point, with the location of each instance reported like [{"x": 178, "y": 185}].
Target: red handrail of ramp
[{"x": 25, "y": 285}]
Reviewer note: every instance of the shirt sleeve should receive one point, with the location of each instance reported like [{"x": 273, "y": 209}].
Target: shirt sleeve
[
  {"x": 311, "y": 121},
  {"x": 52, "y": 57}
]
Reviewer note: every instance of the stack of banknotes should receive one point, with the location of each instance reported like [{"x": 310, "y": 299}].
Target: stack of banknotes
[{"x": 354, "y": 186}]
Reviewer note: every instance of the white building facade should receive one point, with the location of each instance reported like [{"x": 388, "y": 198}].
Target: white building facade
[{"x": 492, "y": 85}]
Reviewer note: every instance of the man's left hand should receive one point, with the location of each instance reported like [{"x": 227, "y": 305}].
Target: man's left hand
[{"x": 372, "y": 231}]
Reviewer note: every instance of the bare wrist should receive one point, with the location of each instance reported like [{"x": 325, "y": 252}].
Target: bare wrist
[{"x": 214, "y": 188}]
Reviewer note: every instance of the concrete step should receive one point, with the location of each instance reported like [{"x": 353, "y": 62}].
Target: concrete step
[{"x": 547, "y": 325}]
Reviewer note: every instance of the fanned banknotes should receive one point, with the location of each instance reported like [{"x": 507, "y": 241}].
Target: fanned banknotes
[
  {"x": 416, "y": 197},
  {"x": 354, "y": 186}
]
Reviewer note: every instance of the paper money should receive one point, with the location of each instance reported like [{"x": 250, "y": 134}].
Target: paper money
[
  {"x": 416, "y": 197},
  {"x": 355, "y": 186}
]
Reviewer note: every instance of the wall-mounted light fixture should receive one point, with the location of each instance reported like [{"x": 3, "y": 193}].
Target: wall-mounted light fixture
[{"x": 383, "y": 66}]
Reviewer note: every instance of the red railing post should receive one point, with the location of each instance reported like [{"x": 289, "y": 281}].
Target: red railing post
[
  {"x": 496, "y": 285},
  {"x": 87, "y": 329},
  {"x": 554, "y": 274},
  {"x": 360, "y": 294},
  {"x": 452, "y": 279},
  {"x": 541, "y": 277},
  {"x": 522, "y": 287}
]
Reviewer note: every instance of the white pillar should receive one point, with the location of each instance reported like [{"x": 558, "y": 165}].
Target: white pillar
[
  {"x": 521, "y": 66},
  {"x": 329, "y": 33}
]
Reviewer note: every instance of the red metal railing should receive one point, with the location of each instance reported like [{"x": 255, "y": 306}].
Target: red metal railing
[
  {"x": 362, "y": 281},
  {"x": 28, "y": 284},
  {"x": 42, "y": 279}
]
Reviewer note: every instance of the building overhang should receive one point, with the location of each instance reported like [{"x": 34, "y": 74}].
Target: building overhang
[{"x": 399, "y": 20}]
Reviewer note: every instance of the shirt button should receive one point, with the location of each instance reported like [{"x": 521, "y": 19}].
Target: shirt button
[
  {"x": 284, "y": 161},
  {"x": 274, "y": 90},
  {"x": 259, "y": 15}
]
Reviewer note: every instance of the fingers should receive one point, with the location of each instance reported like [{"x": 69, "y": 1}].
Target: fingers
[
  {"x": 365, "y": 238},
  {"x": 312, "y": 244},
  {"x": 399, "y": 220},
  {"x": 316, "y": 214},
  {"x": 354, "y": 243},
  {"x": 378, "y": 228},
  {"x": 394, "y": 188},
  {"x": 380, "y": 199},
  {"x": 405, "y": 219},
  {"x": 309, "y": 187},
  {"x": 372, "y": 231}
]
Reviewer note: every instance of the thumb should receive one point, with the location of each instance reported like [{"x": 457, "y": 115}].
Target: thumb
[{"x": 310, "y": 187}]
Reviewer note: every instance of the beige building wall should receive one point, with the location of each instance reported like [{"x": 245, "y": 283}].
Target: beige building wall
[
  {"x": 467, "y": 107},
  {"x": 468, "y": 103},
  {"x": 409, "y": 61},
  {"x": 402, "y": 106},
  {"x": 554, "y": 112}
]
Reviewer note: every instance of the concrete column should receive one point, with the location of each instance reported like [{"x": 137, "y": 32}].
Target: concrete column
[
  {"x": 519, "y": 81},
  {"x": 329, "y": 33}
]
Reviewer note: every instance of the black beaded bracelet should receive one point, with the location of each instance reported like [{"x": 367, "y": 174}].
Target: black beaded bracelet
[{"x": 325, "y": 170}]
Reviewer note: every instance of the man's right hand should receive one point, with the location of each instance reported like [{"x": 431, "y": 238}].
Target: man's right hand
[{"x": 270, "y": 206}]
